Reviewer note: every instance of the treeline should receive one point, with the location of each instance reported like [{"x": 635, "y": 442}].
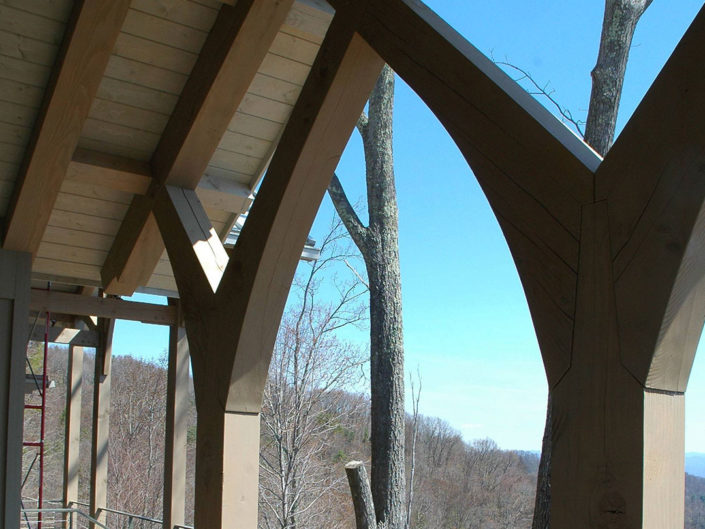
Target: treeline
[{"x": 455, "y": 485}]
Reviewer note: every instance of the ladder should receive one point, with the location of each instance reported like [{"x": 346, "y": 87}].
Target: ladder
[{"x": 39, "y": 382}]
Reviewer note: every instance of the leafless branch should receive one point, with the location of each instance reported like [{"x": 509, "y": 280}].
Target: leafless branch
[{"x": 545, "y": 91}]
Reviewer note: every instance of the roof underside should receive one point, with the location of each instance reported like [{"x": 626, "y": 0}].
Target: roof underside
[{"x": 156, "y": 49}]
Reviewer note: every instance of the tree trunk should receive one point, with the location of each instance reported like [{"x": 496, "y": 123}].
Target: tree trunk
[
  {"x": 378, "y": 244},
  {"x": 618, "y": 25},
  {"x": 621, "y": 17},
  {"x": 542, "y": 506},
  {"x": 361, "y": 495}
]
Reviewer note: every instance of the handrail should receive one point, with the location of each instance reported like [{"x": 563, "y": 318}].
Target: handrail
[
  {"x": 131, "y": 515},
  {"x": 66, "y": 510}
]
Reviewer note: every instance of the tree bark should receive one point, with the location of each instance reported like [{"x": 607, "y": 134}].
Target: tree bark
[
  {"x": 542, "y": 505},
  {"x": 618, "y": 25},
  {"x": 361, "y": 495},
  {"x": 621, "y": 17},
  {"x": 378, "y": 244}
]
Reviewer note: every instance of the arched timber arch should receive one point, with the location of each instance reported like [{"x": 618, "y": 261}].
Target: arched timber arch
[
  {"x": 609, "y": 252},
  {"x": 232, "y": 306}
]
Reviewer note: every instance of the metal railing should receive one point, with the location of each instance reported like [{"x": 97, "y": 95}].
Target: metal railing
[
  {"x": 74, "y": 518},
  {"x": 58, "y": 518},
  {"x": 116, "y": 519}
]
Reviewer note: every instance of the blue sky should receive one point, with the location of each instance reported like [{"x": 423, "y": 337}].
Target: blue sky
[{"x": 467, "y": 325}]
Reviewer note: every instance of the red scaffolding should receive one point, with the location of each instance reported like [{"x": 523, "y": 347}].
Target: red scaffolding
[{"x": 41, "y": 382}]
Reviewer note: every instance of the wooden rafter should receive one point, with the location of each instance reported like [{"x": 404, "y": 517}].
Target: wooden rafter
[
  {"x": 90, "y": 36},
  {"x": 231, "y": 55}
]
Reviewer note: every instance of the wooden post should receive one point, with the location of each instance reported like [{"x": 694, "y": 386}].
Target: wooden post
[
  {"x": 74, "y": 387},
  {"x": 176, "y": 428},
  {"x": 14, "y": 311},
  {"x": 664, "y": 459},
  {"x": 101, "y": 421}
]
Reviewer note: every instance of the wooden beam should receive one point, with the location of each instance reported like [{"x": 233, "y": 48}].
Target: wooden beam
[
  {"x": 231, "y": 55},
  {"x": 181, "y": 211},
  {"x": 43, "y": 300},
  {"x": 65, "y": 335},
  {"x": 132, "y": 176},
  {"x": 114, "y": 172},
  {"x": 90, "y": 36}
]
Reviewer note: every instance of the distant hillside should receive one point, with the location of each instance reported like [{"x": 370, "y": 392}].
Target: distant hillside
[
  {"x": 695, "y": 464},
  {"x": 694, "y": 502}
]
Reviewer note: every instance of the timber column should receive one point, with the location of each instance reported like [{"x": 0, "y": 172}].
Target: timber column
[
  {"x": 14, "y": 313},
  {"x": 101, "y": 420},
  {"x": 177, "y": 402},
  {"x": 618, "y": 446},
  {"x": 72, "y": 438}
]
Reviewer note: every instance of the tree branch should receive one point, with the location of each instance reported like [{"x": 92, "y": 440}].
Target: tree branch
[
  {"x": 545, "y": 91},
  {"x": 357, "y": 231}
]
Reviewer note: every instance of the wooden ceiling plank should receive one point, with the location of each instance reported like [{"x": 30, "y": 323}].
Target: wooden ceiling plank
[
  {"x": 231, "y": 55},
  {"x": 90, "y": 36}
]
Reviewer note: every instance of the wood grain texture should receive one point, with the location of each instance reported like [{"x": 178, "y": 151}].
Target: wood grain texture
[{"x": 85, "y": 52}]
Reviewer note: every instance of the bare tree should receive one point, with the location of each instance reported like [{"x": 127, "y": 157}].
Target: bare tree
[
  {"x": 618, "y": 25},
  {"x": 378, "y": 244},
  {"x": 137, "y": 419},
  {"x": 415, "y": 398},
  {"x": 302, "y": 401}
]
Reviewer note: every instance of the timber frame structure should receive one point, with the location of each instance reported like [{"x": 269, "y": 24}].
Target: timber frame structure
[{"x": 128, "y": 127}]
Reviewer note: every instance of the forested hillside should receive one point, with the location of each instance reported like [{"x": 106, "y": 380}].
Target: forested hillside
[{"x": 456, "y": 484}]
